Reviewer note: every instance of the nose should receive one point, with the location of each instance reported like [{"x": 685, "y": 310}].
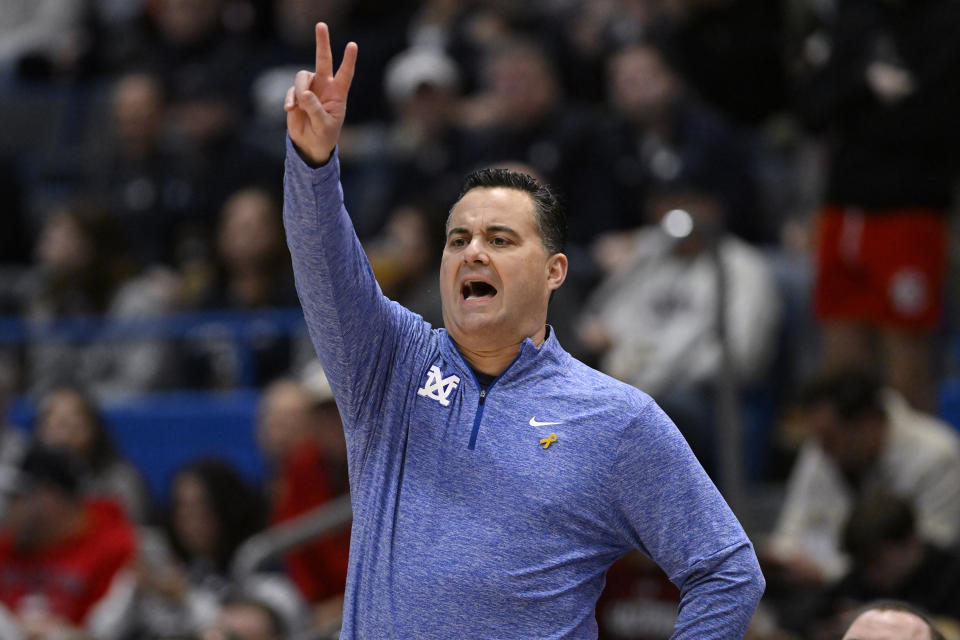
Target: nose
[{"x": 475, "y": 252}]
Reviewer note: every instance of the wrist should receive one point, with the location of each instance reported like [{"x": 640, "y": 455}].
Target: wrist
[{"x": 315, "y": 159}]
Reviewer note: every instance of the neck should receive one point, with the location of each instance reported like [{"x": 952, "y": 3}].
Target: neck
[{"x": 493, "y": 361}]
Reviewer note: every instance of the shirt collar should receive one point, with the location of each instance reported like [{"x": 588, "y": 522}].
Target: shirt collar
[{"x": 528, "y": 357}]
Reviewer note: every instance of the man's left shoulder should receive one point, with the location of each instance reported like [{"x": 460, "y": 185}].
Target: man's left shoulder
[{"x": 587, "y": 384}]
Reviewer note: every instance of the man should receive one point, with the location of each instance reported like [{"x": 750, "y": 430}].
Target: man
[
  {"x": 653, "y": 321},
  {"x": 494, "y": 478},
  {"x": 890, "y": 620},
  {"x": 863, "y": 439},
  {"x": 59, "y": 553},
  {"x": 880, "y": 93},
  {"x": 890, "y": 561}
]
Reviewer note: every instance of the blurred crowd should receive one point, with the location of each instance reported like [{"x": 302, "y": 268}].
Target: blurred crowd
[{"x": 759, "y": 195}]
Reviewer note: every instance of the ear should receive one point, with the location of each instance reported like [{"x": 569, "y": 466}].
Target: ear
[{"x": 556, "y": 271}]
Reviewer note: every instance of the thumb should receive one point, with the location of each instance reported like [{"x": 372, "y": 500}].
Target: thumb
[{"x": 310, "y": 104}]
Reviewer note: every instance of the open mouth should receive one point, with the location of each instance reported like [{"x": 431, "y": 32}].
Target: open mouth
[{"x": 477, "y": 289}]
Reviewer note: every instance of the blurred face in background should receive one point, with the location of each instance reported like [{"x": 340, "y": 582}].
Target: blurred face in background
[
  {"x": 642, "y": 86},
  {"x": 429, "y": 108},
  {"x": 285, "y": 418},
  {"x": 138, "y": 112},
  {"x": 194, "y": 520},
  {"x": 184, "y": 22},
  {"x": 250, "y": 231},
  {"x": 295, "y": 19},
  {"x": 63, "y": 247},
  {"x": 522, "y": 83},
  {"x": 402, "y": 252},
  {"x": 853, "y": 443},
  {"x": 66, "y": 423}
]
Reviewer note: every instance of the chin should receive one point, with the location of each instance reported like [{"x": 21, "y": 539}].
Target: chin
[
  {"x": 473, "y": 328},
  {"x": 476, "y": 326}
]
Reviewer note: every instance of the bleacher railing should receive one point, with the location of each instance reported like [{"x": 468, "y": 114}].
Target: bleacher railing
[{"x": 241, "y": 328}]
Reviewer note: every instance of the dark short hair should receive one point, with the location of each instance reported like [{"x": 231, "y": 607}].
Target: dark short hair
[
  {"x": 877, "y": 518},
  {"x": 853, "y": 393},
  {"x": 548, "y": 211},
  {"x": 898, "y": 605},
  {"x": 44, "y": 466}
]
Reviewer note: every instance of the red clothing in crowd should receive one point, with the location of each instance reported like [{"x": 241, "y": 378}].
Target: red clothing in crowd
[
  {"x": 71, "y": 576},
  {"x": 319, "y": 569}
]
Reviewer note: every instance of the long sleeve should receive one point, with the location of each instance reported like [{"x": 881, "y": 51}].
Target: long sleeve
[
  {"x": 354, "y": 328},
  {"x": 673, "y": 512}
]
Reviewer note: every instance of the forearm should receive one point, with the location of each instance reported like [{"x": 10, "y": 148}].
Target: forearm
[
  {"x": 680, "y": 519},
  {"x": 720, "y": 595}
]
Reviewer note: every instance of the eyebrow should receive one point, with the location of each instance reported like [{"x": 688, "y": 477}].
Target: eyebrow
[{"x": 491, "y": 229}]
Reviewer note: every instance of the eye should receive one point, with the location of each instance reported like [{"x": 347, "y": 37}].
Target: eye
[
  {"x": 500, "y": 241},
  {"x": 458, "y": 242}
]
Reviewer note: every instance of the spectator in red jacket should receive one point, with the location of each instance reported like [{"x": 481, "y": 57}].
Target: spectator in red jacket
[{"x": 59, "y": 553}]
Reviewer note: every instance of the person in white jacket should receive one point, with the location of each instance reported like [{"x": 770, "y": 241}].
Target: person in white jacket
[
  {"x": 862, "y": 438},
  {"x": 654, "y": 319}
]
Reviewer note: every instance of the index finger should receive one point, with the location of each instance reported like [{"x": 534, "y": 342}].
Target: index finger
[{"x": 324, "y": 64}]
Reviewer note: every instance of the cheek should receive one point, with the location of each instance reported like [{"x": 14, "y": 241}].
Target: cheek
[
  {"x": 447, "y": 272},
  {"x": 529, "y": 279}
]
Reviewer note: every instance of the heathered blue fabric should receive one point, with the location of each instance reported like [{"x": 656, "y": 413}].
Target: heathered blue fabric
[{"x": 506, "y": 539}]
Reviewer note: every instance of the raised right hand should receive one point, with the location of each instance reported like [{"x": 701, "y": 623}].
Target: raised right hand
[{"x": 316, "y": 104}]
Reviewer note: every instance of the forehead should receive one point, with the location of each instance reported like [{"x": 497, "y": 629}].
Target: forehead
[
  {"x": 639, "y": 60},
  {"x": 285, "y": 395},
  {"x": 887, "y": 625},
  {"x": 494, "y": 205}
]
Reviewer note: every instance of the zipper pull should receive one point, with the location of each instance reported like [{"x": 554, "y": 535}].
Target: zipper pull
[{"x": 483, "y": 395}]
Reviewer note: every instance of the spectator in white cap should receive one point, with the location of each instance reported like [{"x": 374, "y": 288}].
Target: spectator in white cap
[{"x": 422, "y": 85}]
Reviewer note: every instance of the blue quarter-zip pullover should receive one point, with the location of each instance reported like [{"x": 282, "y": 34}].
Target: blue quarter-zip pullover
[{"x": 496, "y": 513}]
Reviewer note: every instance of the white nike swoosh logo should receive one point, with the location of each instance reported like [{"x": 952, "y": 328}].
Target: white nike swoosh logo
[{"x": 534, "y": 423}]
